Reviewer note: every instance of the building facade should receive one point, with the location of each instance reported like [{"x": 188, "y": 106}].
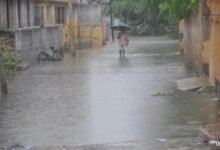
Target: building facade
[
  {"x": 48, "y": 12},
  {"x": 16, "y": 14},
  {"x": 201, "y": 36},
  {"x": 38, "y": 24}
]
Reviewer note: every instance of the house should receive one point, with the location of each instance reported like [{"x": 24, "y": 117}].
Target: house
[
  {"x": 30, "y": 30},
  {"x": 16, "y": 14},
  {"x": 35, "y": 25},
  {"x": 50, "y": 12},
  {"x": 76, "y": 17},
  {"x": 84, "y": 28},
  {"x": 201, "y": 36}
]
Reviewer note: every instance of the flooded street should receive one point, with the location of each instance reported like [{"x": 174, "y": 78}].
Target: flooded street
[{"x": 103, "y": 101}]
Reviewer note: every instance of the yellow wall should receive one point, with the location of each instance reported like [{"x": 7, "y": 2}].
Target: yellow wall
[
  {"x": 52, "y": 10},
  {"x": 70, "y": 33},
  {"x": 205, "y": 53},
  {"x": 85, "y": 33},
  {"x": 97, "y": 37},
  {"x": 79, "y": 34},
  {"x": 74, "y": 33},
  {"x": 214, "y": 55}
]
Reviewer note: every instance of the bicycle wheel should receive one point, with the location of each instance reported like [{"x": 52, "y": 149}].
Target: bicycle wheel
[
  {"x": 42, "y": 57},
  {"x": 57, "y": 56}
]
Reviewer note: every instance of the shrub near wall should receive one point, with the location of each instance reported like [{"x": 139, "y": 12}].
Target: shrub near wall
[
  {"x": 9, "y": 60},
  {"x": 7, "y": 50}
]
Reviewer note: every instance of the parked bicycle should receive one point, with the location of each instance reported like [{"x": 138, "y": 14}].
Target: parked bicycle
[{"x": 50, "y": 55}]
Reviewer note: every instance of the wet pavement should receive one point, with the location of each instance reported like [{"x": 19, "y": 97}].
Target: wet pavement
[{"x": 102, "y": 101}]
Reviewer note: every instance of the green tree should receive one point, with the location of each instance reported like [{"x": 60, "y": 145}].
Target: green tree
[
  {"x": 143, "y": 15},
  {"x": 178, "y": 8},
  {"x": 152, "y": 16}
]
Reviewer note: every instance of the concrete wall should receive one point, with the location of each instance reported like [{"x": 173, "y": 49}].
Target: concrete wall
[
  {"x": 16, "y": 15},
  {"x": 89, "y": 14},
  {"x": 214, "y": 46},
  {"x": 30, "y": 41},
  {"x": 83, "y": 17},
  {"x": 49, "y": 10},
  {"x": 196, "y": 32},
  {"x": 3, "y": 14}
]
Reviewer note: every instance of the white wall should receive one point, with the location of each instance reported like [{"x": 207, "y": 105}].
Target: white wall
[{"x": 89, "y": 14}]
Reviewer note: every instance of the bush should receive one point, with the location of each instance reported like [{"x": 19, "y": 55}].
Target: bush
[
  {"x": 9, "y": 60},
  {"x": 152, "y": 17}
]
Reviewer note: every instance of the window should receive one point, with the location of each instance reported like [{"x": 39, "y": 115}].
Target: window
[
  {"x": 19, "y": 13},
  {"x": 49, "y": 18},
  {"x": 8, "y": 5},
  {"x": 28, "y": 15},
  {"x": 21, "y": 5},
  {"x": 60, "y": 14},
  {"x": 39, "y": 15}
]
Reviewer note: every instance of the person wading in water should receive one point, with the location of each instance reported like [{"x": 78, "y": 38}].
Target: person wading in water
[{"x": 123, "y": 41}]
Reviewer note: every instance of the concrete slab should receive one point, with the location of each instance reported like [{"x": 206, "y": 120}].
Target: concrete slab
[{"x": 192, "y": 83}]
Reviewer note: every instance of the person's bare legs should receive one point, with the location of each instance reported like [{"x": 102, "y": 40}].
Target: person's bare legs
[{"x": 121, "y": 50}]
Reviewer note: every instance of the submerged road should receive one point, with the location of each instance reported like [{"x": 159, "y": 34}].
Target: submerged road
[{"x": 97, "y": 100}]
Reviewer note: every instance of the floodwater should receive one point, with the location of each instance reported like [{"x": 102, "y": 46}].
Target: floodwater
[{"x": 103, "y": 101}]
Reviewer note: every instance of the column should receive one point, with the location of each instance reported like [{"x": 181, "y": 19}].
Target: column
[
  {"x": 3, "y": 14},
  {"x": 14, "y": 21},
  {"x": 23, "y": 13},
  {"x": 214, "y": 56},
  {"x": 31, "y": 13}
]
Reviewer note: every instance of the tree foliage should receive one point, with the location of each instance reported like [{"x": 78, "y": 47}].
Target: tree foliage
[
  {"x": 178, "y": 8},
  {"x": 152, "y": 16},
  {"x": 143, "y": 15}
]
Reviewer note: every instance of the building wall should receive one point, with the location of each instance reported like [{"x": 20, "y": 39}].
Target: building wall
[
  {"x": 196, "y": 32},
  {"x": 84, "y": 16},
  {"x": 30, "y": 41},
  {"x": 91, "y": 18},
  {"x": 193, "y": 42},
  {"x": 201, "y": 40},
  {"x": 19, "y": 16},
  {"x": 16, "y": 14},
  {"x": 49, "y": 14},
  {"x": 214, "y": 46},
  {"x": 3, "y": 14}
]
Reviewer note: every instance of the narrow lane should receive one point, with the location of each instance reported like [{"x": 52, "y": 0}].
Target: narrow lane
[{"x": 97, "y": 97}]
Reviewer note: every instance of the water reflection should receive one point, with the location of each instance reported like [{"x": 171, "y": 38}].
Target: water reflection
[{"x": 123, "y": 62}]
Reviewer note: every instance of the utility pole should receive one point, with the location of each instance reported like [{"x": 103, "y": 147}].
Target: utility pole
[
  {"x": 4, "y": 87},
  {"x": 110, "y": 5}
]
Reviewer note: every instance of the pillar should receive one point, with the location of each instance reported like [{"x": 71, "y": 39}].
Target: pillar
[
  {"x": 13, "y": 17},
  {"x": 214, "y": 55},
  {"x": 3, "y": 14},
  {"x": 45, "y": 18},
  {"x": 31, "y": 12},
  {"x": 23, "y": 13},
  {"x": 53, "y": 14}
]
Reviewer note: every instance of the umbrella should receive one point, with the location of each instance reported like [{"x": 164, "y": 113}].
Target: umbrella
[{"x": 120, "y": 26}]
